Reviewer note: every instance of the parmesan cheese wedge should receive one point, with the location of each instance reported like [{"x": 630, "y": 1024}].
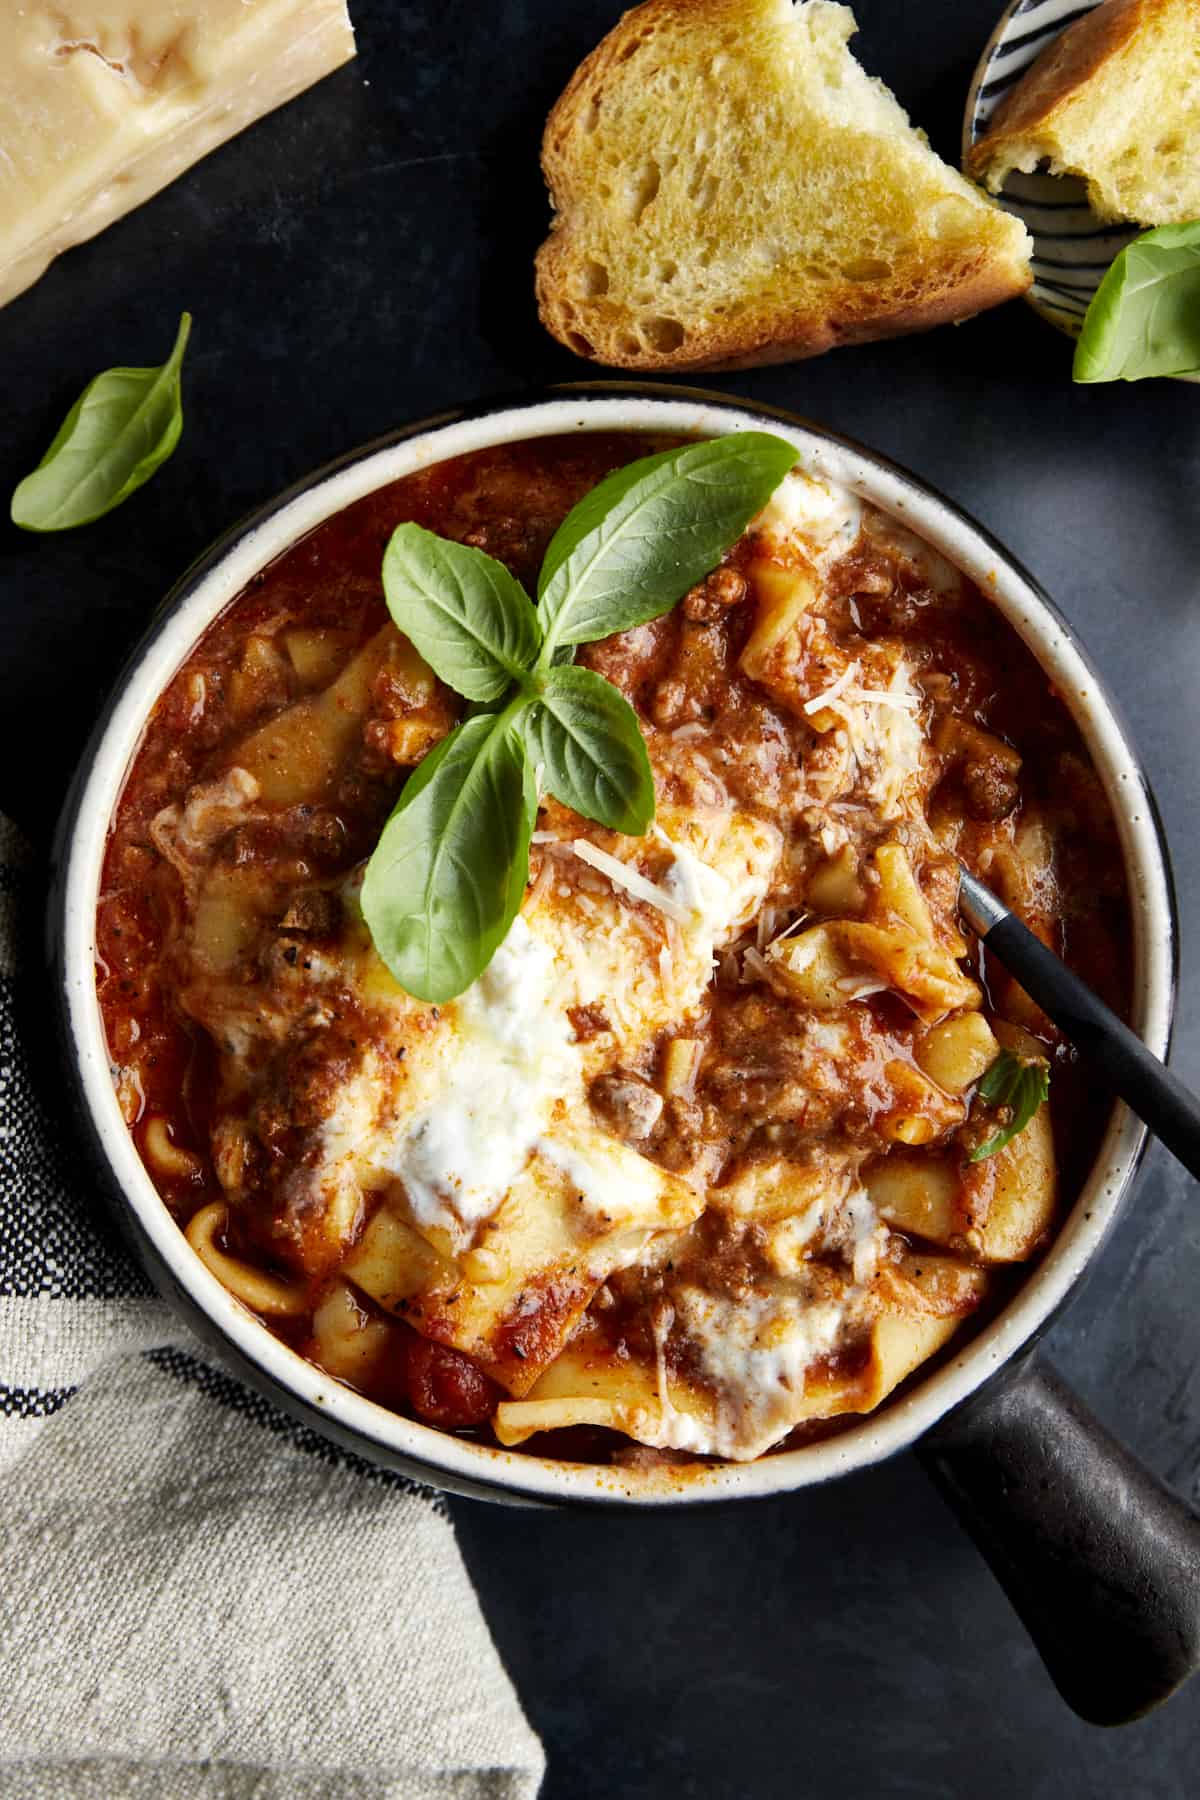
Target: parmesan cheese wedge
[{"x": 103, "y": 102}]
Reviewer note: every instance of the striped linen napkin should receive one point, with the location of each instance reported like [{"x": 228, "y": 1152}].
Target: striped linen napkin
[{"x": 199, "y": 1599}]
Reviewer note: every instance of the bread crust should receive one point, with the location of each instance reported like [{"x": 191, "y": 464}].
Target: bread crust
[
  {"x": 597, "y": 329},
  {"x": 1067, "y": 65},
  {"x": 753, "y": 341}
]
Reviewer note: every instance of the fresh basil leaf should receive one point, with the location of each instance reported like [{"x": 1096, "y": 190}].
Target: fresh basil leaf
[
  {"x": 587, "y": 738},
  {"x": 449, "y": 872},
  {"x": 123, "y": 426},
  {"x": 1144, "y": 318},
  {"x": 447, "y": 877},
  {"x": 1020, "y": 1083},
  {"x": 639, "y": 540},
  {"x": 471, "y": 620}
]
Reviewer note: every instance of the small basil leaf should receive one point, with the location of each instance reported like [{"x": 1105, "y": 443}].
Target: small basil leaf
[
  {"x": 587, "y": 738},
  {"x": 471, "y": 620},
  {"x": 447, "y": 877},
  {"x": 123, "y": 426},
  {"x": 648, "y": 532},
  {"x": 1022, "y": 1085},
  {"x": 1144, "y": 318}
]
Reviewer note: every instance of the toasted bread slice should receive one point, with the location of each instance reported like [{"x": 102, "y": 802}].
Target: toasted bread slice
[
  {"x": 1115, "y": 99},
  {"x": 731, "y": 188}
]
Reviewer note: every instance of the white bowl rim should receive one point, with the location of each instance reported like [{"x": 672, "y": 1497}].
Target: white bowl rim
[{"x": 224, "y": 572}]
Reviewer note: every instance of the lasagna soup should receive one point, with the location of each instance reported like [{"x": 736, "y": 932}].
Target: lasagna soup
[{"x": 693, "y": 1168}]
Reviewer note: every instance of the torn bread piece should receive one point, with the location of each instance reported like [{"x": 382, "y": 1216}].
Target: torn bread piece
[
  {"x": 1114, "y": 100},
  {"x": 731, "y": 188}
]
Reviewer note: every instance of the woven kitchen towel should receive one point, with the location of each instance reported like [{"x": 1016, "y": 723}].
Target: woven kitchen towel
[{"x": 200, "y": 1600}]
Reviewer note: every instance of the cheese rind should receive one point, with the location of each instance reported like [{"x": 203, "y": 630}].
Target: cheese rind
[{"x": 103, "y": 102}]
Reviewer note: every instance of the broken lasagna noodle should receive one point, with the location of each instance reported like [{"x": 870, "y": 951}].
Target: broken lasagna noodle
[{"x": 689, "y": 1164}]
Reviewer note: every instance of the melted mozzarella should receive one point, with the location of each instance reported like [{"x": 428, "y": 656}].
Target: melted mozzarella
[
  {"x": 821, "y": 516},
  {"x": 933, "y": 568},
  {"x": 789, "y": 1241},
  {"x": 510, "y": 1057},
  {"x": 498, "y": 1077},
  {"x": 858, "y": 1234},
  {"x": 352, "y": 1122},
  {"x": 612, "y": 1184},
  {"x": 723, "y": 876},
  {"x": 755, "y": 1352},
  {"x": 702, "y": 893}
]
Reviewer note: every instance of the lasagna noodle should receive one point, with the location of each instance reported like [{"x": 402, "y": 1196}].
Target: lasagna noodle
[
  {"x": 768, "y": 1368},
  {"x": 584, "y": 1206}
]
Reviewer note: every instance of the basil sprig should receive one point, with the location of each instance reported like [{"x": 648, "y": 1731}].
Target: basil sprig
[
  {"x": 1144, "y": 318},
  {"x": 1020, "y": 1083},
  {"x": 122, "y": 428},
  {"x": 449, "y": 872}
]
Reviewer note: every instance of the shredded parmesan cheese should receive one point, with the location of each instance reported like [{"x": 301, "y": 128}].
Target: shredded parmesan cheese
[
  {"x": 907, "y": 702},
  {"x": 796, "y": 925},
  {"x": 883, "y": 734},
  {"x": 635, "y": 883},
  {"x": 755, "y": 966},
  {"x": 832, "y": 693}
]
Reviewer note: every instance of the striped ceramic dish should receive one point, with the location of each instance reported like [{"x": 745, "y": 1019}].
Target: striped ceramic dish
[{"x": 1072, "y": 249}]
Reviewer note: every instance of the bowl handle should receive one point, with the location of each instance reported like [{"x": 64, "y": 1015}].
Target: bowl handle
[{"x": 1101, "y": 1562}]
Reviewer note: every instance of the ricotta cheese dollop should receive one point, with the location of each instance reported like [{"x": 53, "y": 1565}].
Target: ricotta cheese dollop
[{"x": 510, "y": 1055}]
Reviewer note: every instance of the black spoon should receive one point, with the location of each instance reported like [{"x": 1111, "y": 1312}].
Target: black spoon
[{"x": 1120, "y": 1060}]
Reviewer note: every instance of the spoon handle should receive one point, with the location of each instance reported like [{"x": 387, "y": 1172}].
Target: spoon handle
[{"x": 1119, "y": 1058}]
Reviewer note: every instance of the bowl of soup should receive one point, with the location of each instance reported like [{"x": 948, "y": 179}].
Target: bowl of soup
[{"x": 689, "y": 1194}]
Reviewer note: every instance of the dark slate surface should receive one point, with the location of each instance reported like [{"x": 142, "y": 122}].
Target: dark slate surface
[{"x": 361, "y": 259}]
